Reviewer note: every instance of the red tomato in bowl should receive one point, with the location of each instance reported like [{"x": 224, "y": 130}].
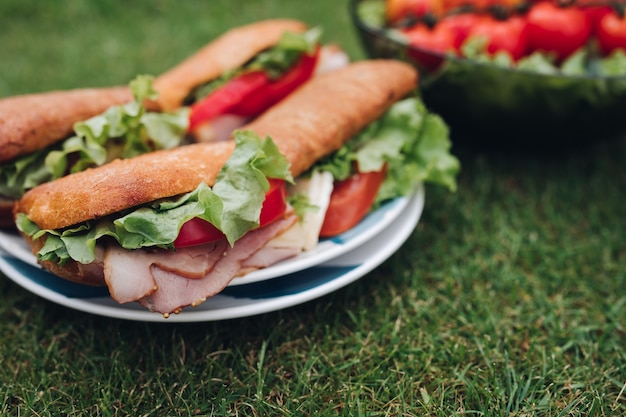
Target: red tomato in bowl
[
  {"x": 460, "y": 25},
  {"x": 557, "y": 30},
  {"x": 502, "y": 35},
  {"x": 611, "y": 33},
  {"x": 397, "y": 10},
  {"x": 438, "y": 40},
  {"x": 595, "y": 14}
]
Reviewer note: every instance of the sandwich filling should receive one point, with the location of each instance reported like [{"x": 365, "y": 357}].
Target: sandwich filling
[
  {"x": 122, "y": 131},
  {"x": 137, "y": 253},
  {"x": 230, "y": 101}
]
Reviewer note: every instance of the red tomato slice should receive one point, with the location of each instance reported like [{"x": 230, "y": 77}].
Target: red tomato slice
[
  {"x": 275, "y": 202},
  {"x": 350, "y": 201},
  {"x": 275, "y": 90},
  {"x": 460, "y": 25},
  {"x": 224, "y": 98},
  {"x": 251, "y": 93},
  {"x": 199, "y": 232},
  {"x": 560, "y": 30},
  {"x": 611, "y": 33}
]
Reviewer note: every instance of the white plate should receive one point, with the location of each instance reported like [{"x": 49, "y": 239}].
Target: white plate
[
  {"x": 326, "y": 249},
  {"x": 233, "y": 302}
]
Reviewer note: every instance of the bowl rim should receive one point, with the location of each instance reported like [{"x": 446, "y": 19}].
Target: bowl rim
[{"x": 383, "y": 32}]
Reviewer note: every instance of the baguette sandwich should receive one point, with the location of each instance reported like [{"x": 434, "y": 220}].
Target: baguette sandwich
[
  {"x": 244, "y": 72},
  {"x": 226, "y": 83},
  {"x": 172, "y": 228},
  {"x": 69, "y": 131},
  {"x": 32, "y": 122}
]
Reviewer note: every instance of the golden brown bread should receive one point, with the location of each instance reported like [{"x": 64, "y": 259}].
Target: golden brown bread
[
  {"x": 314, "y": 121},
  {"x": 31, "y": 122},
  {"x": 229, "y": 51},
  {"x": 123, "y": 183}
]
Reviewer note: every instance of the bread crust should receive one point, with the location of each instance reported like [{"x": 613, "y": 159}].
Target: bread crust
[
  {"x": 327, "y": 111},
  {"x": 90, "y": 274},
  {"x": 229, "y": 51},
  {"x": 122, "y": 184},
  {"x": 31, "y": 122},
  {"x": 312, "y": 122}
]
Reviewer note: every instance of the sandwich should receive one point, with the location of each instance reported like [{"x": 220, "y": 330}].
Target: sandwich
[
  {"x": 69, "y": 131},
  {"x": 31, "y": 122},
  {"x": 244, "y": 72},
  {"x": 172, "y": 228},
  {"x": 226, "y": 83}
]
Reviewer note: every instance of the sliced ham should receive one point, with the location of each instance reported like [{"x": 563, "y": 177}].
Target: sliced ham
[
  {"x": 166, "y": 281},
  {"x": 193, "y": 262},
  {"x": 331, "y": 58},
  {"x": 219, "y": 129},
  {"x": 267, "y": 256},
  {"x": 175, "y": 292},
  {"x": 124, "y": 274}
]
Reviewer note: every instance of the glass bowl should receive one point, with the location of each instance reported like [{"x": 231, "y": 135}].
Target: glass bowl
[{"x": 489, "y": 103}]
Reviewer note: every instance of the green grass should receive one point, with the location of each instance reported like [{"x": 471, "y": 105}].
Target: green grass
[{"x": 508, "y": 299}]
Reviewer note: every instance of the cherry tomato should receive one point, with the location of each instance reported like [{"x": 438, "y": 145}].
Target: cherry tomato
[
  {"x": 251, "y": 93},
  {"x": 350, "y": 201},
  {"x": 439, "y": 40},
  {"x": 460, "y": 25},
  {"x": 558, "y": 30},
  {"x": 397, "y": 10},
  {"x": 485, "y": 4},
  {"x": 503, "y": 35},
  {"x": 611, "y": 33},
  {"x": 595, "y": 14},
  {"x": 199, "y": 232}
]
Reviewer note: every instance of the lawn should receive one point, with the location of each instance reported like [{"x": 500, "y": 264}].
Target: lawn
[{"x": 509, "y": 298}]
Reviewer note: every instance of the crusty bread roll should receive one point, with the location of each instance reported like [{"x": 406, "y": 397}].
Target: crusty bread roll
[
  {"x": 229, "y": 51},
  {"x": 313, "y": 122},
  {"x": 330, "y": 109},
  {"x": 31, "y": 122}
]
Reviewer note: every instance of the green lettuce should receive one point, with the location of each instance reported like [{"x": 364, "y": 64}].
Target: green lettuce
[
  {"x": 233, "y": 205},
  {"x": 411, "y": 141},
  {"x": 120, "y": 132}
]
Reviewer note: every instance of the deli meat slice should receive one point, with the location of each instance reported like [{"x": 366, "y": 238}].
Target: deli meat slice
[
  {"x": 126, "y": 273},
  {"x": 176, "y": 291},
  {"x": 269, "y": 255}
]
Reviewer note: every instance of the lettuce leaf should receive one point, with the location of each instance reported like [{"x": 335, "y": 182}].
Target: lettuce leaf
[
  {"x": 413, "y": 143},
  {"x": 120, "y": 132},
  {"x": 233, "y": 205}
]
